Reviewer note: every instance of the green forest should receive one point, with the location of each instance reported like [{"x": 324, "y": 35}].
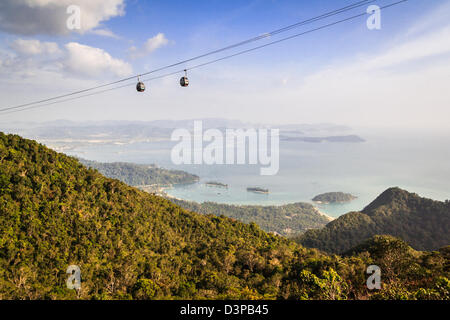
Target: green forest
[
  {"x": 287, "y": 220},
  {"x": 55, "y": 212},
  {"x": 139, "y": 175},
  {"x": 334, "y": 197},
  {"x": 422, "y": 223}
]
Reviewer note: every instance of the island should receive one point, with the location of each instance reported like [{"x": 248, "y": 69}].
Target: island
[
  {"x": 334, "y": 197},
  {"x": 141, "y": 175},
  {"x": 216, "y": 184},
  {"x": 258, "y": 190}
]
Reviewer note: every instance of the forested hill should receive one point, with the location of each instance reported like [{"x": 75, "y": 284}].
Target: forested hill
[
  {"x": 54, "y": 212},
  {"x": 138, "y": 175},
  {"x": 422, "y": 223},
  {"x": 334, "y": 197},
  {"x": 288, "y": 220}
]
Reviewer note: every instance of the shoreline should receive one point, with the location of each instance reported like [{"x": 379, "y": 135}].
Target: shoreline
[
  {"x": 332, "y": 202},
  {"x": 330, "y": 218}
]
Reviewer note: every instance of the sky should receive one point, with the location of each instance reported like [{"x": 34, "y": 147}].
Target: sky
[{"x": 347, "y": 74}]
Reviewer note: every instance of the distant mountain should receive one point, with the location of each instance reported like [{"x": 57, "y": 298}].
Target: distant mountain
[
  {"x": 113, "y": 130},
  {"x": 138, "y": 175},
  {"x": 316, "y": 129},
  {"x": 423, "y": 223},
  {"x": 105, "y": 132},
  {"x": 128, "y": 244},
  {"x": 207, "y": 123},
  {"x": 351, "y": 139}
]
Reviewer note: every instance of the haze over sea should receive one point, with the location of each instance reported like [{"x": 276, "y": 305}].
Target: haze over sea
[{"x": 417, "y": 162}]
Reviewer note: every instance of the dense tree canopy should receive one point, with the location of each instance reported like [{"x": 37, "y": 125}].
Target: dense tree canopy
[
  {"x": 422, "y": 223},
  {"x": 287, "y": 220},
  {"x": 138, "y": 174},
  {"x": 54, "y": 212},
  {"x": 334, "y": 197}
]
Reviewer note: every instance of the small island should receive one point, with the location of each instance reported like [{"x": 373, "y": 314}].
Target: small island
[
  {"x": 258, "y": 190},
  {"x": 334, "y": 197},
  {"x": 216, "y": 184}
]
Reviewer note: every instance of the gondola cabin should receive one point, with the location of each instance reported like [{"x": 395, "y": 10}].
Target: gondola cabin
[
  {"x": 140, "y": 87},
  {"x": 184, "y": 82}
]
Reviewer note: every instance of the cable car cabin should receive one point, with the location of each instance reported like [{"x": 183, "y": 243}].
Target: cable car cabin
[
  {"x": 184, "y": 82},
  {"x": 140, "y": 87}
]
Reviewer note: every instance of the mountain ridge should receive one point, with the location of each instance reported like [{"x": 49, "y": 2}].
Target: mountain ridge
[{"x": 422, "y": 223}]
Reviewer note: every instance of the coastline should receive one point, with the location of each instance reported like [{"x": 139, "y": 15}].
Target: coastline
[
  {"x": 167, "y": 195},
  {"x": 332, "y": 202},
  {"x": 324, "y": 214}
]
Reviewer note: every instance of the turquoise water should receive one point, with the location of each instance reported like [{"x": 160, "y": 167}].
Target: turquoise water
[{"x": 416, "y": 162}]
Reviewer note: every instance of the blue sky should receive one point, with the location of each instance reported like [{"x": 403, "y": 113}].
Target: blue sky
[{"x": 346, "y": 74}]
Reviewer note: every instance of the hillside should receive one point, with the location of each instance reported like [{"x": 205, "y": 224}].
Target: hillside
[
  {"x": 288, "y": 220},
  {"x": 54, "y": 212},
  {"x": 138, "y": 175},
  {"x": 422, "y": 223}
]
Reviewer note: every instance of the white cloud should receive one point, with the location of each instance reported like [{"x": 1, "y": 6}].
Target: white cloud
[
  {"x": 31, "y": 17},
  {"x": 435, "y": 43},
  {"x": 151, "y": 45},
  {"x": 89, "y": 61},
  {"x": 31, "y": 58},
  {"x": 104, "y": 33},
  {"x": 155, "y": 43},
  {"x": 35, "y": 47},
  {"x": 404, "y": 86},
  {"x": 396, "y": 85}
]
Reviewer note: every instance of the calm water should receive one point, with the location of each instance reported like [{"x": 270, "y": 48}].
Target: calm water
[{"x": 416, "y": 162}]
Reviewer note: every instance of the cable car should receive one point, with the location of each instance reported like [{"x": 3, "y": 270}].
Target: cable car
[
  {"x": 184, "y": 81},
  {"x": 140, "y": 87}
]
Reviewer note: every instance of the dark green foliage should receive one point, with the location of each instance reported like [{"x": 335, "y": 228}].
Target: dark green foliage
[
  {"x": 145, "y": 289},
  {"x": 422, "y": 223},
  {"x": 401, "y": 264},
  {"x": 287, "y": 220},
  {"x": 138, "y": 174},
  {"x": 334, "y": 197},
  {"x": 54, "y": 212}
]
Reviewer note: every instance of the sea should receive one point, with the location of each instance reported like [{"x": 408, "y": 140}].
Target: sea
[{"x": 416, "y": 161}]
